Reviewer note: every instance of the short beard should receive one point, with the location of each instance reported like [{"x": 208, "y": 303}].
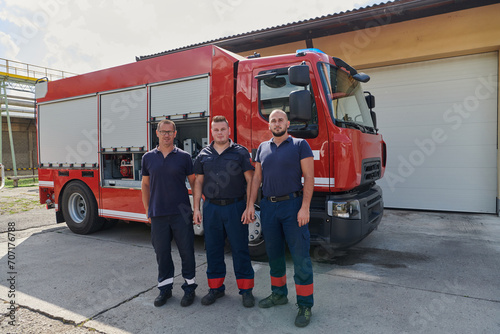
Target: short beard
[{"x": 279, "y": 134}]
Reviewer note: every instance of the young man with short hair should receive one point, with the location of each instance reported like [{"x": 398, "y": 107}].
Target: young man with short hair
[
  {"x": 280, "y": 164},
  {"x": 223, "y": 174}
]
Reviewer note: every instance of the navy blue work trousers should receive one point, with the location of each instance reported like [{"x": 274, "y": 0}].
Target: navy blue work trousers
[
  {"x": 280, "y": 225},
  {"x": 164, "y": 229},
  {"x": 220, "y": 222}
]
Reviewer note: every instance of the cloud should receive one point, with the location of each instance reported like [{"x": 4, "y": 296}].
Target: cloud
[
  {"x": 88, "y": 35},
  {"x": 8, "y": 49}
]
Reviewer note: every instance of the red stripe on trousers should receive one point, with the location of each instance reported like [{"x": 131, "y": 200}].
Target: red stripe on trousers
[
  {"x": 215, "y": 283},
  {"x": 278, "y": 281},
  {"x": 245, "y": 283},
  {"x": 304, "y": 290}
]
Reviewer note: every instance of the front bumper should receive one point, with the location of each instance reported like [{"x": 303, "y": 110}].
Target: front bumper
[{"x": 346, "y": 219}]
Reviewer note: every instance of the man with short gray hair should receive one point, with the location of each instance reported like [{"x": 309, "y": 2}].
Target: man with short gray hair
[{"x": 166, "y": 201}]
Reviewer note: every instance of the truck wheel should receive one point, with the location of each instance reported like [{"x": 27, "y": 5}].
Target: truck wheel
[
  {"x": 256, "y": 244},
  {"x": 80, "y": 209}
]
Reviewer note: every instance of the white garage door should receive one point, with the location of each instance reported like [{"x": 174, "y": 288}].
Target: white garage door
[{"x": 439, "y": 120}]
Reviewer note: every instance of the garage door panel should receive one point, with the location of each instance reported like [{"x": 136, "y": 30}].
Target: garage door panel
[
  {"x": 425, "y": 155},
  {"x": 479, "y": 134},
  {"x": 427, "y": 94},
  {"x": 425, "y": 200},
  {"x": 443, "y": 135},
  {"x": 439, "y": 120},
  {"x": 435, "y": 114},
  {"x": 406, "y": 176},
  {"x": 448, "y": 91},
  {"x": 425, "y": 115},
  {"x": 455, "y": 69}
]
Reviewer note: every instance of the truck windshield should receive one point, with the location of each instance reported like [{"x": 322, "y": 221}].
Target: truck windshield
[{"x": 345, "y": 99}]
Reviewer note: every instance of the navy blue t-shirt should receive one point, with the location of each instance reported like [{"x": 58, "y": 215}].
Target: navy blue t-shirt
[
  {"x": 223, "y": 174},
  {"x": 281, "y": 170},
  {"x": 167, "y": 179}
]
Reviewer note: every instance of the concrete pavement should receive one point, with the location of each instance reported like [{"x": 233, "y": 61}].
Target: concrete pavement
[{"x": 419, "y": 272}]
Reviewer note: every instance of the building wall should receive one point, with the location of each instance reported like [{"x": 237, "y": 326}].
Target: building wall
[{"x": 24, "y": 135}]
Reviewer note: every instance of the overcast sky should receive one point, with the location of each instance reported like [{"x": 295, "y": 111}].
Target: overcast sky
[{"x": 87, "y": 35}]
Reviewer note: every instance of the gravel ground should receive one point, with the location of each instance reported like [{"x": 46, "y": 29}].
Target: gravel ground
[
  {"x": 21, "y": 205},
  {"x": 34, "y": 322},
  {"x": 19, "y": 199}
]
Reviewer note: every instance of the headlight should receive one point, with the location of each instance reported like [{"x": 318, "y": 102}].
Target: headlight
[{"x": 348, "y": 209}]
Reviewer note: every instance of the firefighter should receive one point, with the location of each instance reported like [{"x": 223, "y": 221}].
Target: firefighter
[
  {"x": 165, "y": 198},
  {"x": 280, "y": 164},
  {"x": 223, "y": 174}
]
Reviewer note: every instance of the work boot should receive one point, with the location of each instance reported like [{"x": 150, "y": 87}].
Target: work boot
[
  {"x": 272, "y": 300},
  {"x": 212, "y": 296},
  {"x": 188, "y": 298},
  {"x": 162, "y": 298},
  {"x": 303, "y": 317},
  {"x": 248, "y": 299}
]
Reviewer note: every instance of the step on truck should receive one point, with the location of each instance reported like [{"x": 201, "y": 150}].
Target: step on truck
[{"x": 93, "y": 129}]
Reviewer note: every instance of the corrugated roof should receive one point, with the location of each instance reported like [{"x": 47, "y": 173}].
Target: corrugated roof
[{"x": 331, "y": 24}]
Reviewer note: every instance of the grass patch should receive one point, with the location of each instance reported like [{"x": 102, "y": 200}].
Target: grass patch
[
  {"x": 13, "y": 201},
  {"x": 21, "y": 183},
  {"x": 19, "y": 205}
]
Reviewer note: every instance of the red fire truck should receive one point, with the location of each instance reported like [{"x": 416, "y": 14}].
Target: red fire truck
[{"x": 94, "y": 128}]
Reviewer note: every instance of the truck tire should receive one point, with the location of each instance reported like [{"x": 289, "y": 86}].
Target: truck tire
[
  {"x": 256, "y": 243},
  {"x": 80, "y": 209}
]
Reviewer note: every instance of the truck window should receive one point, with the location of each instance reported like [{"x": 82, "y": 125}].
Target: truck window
[
  {"x": 346, "y": 99},
  {"x": 274, "y": 94}
]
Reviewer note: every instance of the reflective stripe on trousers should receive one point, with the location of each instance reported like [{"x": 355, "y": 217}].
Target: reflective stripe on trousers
[
  {"x": 279, "y": 224},
  {"x": 218, "y": 222}
]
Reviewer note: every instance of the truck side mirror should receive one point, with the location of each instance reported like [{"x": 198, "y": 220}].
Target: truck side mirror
[
  {"x": 362, "y": 77},
  {"x": 370, "y": 101},
  {"x": 299, "y": 75},
  {"x": 300, "y": 106},
  {"x": 41, "y": 88}
]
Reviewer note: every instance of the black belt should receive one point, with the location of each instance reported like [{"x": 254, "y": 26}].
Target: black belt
[
  {"x": 275, "y": 199},
  {"x": 222, "y": 201}
]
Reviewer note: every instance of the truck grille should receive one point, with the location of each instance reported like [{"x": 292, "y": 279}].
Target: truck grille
[{"x": 371, "y": 170}]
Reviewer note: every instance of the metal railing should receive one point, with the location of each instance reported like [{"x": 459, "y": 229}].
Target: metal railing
[{"x": 31, "y": 71}]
